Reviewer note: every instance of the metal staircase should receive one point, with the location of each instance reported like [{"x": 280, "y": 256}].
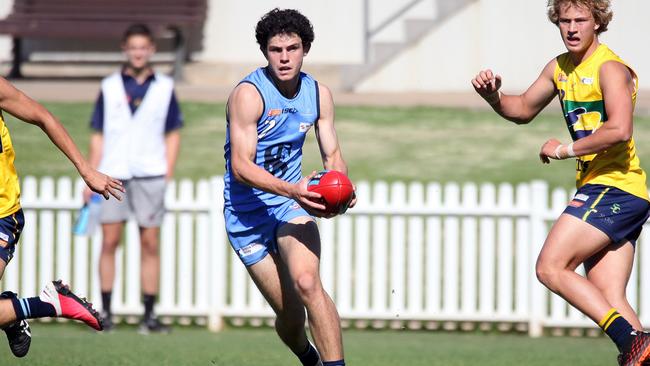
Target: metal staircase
[{"x": 378, "y": 53}]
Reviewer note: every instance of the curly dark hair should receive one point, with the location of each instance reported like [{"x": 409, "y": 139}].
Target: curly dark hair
[
  {"x": 284, "y": 21},
  {"x": 600, "y": 9},
  {"x": 137, "y": 29}
]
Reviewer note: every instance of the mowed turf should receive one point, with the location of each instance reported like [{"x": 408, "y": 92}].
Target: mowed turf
[
  {"x": 379, "y": 143},
  {"x": 71, "y": 345}
]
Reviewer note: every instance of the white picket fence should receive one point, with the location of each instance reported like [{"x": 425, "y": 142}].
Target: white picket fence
[{"x": 407, "y": 255}]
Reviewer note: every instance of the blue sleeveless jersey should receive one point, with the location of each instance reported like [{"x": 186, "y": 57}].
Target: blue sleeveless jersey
[{"x": 281, "y": 132}]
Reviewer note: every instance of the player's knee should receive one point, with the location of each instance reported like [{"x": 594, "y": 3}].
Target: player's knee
[
  {"x": 307, "y": 285},
  {"x": 149, "y": 250},
  {"x": 614, "y": 295},
  {"x": 110, "y": 245},
  {"x": 546, "y": 274}
]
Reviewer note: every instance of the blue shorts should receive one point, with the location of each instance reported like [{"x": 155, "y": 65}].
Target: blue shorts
[
  {"x": 10, "y": 228},
  {"x": 618, "y": 214},
  {"x": 252, "y": 234}
]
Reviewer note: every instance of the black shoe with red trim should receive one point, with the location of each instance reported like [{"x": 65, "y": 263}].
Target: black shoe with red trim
[{"x": 638, "y": 353}]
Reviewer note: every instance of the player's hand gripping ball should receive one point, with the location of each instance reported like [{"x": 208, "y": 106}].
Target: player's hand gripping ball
[{"x": 335, "y": 189}]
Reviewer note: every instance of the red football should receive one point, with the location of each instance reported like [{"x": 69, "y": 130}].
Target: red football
[{"x": 335, "y": 189}]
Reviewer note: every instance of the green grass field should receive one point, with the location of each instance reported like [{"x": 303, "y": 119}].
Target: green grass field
[
  {"x": 390, "y": 143},
  {"x": 56, "y": 344}
]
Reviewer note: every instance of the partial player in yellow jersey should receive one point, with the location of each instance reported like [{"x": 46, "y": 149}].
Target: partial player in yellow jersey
[
  {"x": 600, "y": 226},
  {"x": 56, "y": 300}
]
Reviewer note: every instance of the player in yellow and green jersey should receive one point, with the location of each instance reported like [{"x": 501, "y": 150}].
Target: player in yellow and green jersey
[
  {"x": 56, "y": 300},
  {"x": 600, "y": 226}
]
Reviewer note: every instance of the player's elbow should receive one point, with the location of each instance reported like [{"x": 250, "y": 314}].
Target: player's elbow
[
  {"x": 237, "y": 174},
  {"x": 522, "y": 121},
  {"x": 238, "y": 171},
  {"x": 519, "y": 120},
  {"x": 525, "y": 117},
  {"x": 619, "y": 134},
  {"x": 624, "y": 134}
]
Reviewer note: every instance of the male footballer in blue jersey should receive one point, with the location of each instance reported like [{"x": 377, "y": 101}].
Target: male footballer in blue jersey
[{"x": 268, "y": 209}]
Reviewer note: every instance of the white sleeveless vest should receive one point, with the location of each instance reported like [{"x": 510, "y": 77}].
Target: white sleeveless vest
[{"x": 134, "y": 143}]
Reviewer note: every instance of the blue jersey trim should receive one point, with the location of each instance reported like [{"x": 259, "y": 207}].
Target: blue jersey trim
[
  {"x": 261, "y": 97},
  {"x": 270, "y": 79},
  {"x": 317, "y": 102}
]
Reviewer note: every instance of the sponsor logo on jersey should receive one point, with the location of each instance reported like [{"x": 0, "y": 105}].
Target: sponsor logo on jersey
[
  {"x": 578, "y": 200},
  {"x": 576, "y": 204},
  {"x": 279, "y": 111},
  {"x": 250, "y": 250},
  {"x": 304, "y": 127},
  {"x": 561, "y": 78},
  {"x": 581, "y": 197},
  {"x": 587, "y": 81}
]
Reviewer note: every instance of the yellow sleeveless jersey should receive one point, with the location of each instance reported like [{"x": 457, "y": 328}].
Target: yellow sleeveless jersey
[
  {"x": 9, "y": 187},
  {"x": 584, "y": 111}
]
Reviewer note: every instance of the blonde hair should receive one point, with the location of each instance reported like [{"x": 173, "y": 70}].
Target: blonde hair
[{"x": 600, "y": 9}]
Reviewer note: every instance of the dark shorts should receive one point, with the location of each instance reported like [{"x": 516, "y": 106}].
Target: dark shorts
[
  {"x": 617, "y": 213},
  {"x": 252, "y": 234},
  {"x": 10, "y": 228}
]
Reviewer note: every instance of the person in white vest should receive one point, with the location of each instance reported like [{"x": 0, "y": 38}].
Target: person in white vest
[{"x": 136, "y": 124}]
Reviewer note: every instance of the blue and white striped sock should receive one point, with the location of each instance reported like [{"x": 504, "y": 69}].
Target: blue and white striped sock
[{"x": 32, "y": 308}]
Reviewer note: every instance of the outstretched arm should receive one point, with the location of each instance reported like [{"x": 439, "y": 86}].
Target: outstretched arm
[
  {"x": 244, "y": 108},
  {"x": 520, "y": 109},
  {"x": 24, "y": 108}
]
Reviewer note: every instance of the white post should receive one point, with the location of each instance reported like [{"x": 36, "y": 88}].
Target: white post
[
  {"x": 487, "y": 252},
  {"x": 344, "y": 264},
  {"x": 63, "y": 232},
  {"x": 397, "y": 246},
  {"x": 217, "y": 252},
  {"x": 523, "y": 250},
  {"x": 415, "y": 233},
  {"x": 450, "y": 248},
  {"x": 505, "y": 252},
  {"x": 28, "y": 241},
  {"x": 46, "y": 233},
  {"x": 379, "y": 248},
  {"x": 433, "y": 259},
  {"x": 201, "y": 256},
  {"x": 168, "y": 235},
  {"x": 362, "y": 251},
  {"x": 469, "y": 253},
  {"x": 186, "y": 248},
  {"x": 539, "y": 206}
]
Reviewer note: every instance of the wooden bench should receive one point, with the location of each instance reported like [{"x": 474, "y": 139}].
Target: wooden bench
[{"x": 102, "y": 20}]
